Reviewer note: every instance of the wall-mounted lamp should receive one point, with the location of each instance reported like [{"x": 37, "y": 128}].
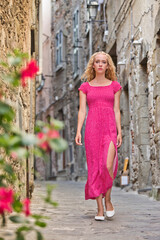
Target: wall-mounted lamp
[
  {"x": 39, "y": 88},
  {"x": 138, "y": 42},
  {"x": 92, "y": 8}
]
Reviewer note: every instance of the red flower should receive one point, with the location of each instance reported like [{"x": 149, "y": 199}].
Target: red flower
[
  {"x": 14, "y": 155},
  {"x": 43, "y": 143},
  {"x": 45, "y": 146},
  {"x": 6, "y": 199},
  {"x": 26, "y": 207},
  {"x": 40, "y": 135},
  {"x": 53, "y": 134},
  {"x": 29, "y": 72},
  {"x": 44, "y": 137}
]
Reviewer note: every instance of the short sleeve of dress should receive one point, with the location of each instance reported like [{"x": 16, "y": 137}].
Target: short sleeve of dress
[
  {"x": 117, "y": 86},
  {"x": 83, "y": 88}
]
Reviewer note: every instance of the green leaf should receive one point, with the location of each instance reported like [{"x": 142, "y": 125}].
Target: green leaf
[
  {"x": 37, "y": 129},
  {"x": 14, "y": 141},
  {"x": 6, "y": 112},
  {"x": 2, "y": 161},
  {"x": 49, "y": 193},
  {"x": 14, "y": 61},
  {"x": 58, "y": 145},
  {"x": 16, "y": 79},
  {"x": 40, "y": 224},
  {"x": 17, "y": 219},
  {"x": 4, "y": 139},
  {"x": 54, "y": 204},
  {"x": 40, "y": 123},
  {"x": 37, "y": 217},
  {"x": 8, "y": 78},
  {"x": 19, "y": 236},
  {"x": 8, "y": 168},
  {"x": 17, "y": 206},
  {"x": 29, "y": 139},
  {"x": 39, "y": 236},
  {"x": 2, "y": 238},
  {"x": 4, "y": 64},
  {"x": 24, "y": 228},
  {"x": 6, "y": 126},
  {"x": 38, "y": 152},
  {"x": 17, "y": 53},
  {"x": 57, "y": 124}
]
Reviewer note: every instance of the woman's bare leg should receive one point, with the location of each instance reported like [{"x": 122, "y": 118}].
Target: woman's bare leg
[
  {"x": 100, "y": 205},
  {"x": 110, "y": 159},
  {"x": 108, "y": 204}
]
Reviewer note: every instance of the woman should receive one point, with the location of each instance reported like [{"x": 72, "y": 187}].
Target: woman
[{"x": 102, "y": 93}]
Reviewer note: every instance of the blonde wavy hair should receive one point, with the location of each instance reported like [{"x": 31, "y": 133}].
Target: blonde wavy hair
[{"x": 90, "y": 73}]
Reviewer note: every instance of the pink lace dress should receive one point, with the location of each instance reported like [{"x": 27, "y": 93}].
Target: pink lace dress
[{"x": 100, "y": 130}]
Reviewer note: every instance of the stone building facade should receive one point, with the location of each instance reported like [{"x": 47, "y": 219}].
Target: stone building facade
[
  {"x": 69, "y": 62},
  {"x": 129, "y": 32},
  {"x": 44, "y": 91},
  {"x": 18, "y": 29},
  {"x": 61, "y": 102},
  {"x": 133, "y": 39}
]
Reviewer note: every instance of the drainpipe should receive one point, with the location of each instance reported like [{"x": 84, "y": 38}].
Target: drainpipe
[
  {"x": 129, "y": 87},
  {"x": 90, "y": 38},
  {"x": 40, "y": 41}
]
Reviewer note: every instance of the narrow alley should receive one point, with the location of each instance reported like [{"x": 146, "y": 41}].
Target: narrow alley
[{"x": 137, "y": 216}]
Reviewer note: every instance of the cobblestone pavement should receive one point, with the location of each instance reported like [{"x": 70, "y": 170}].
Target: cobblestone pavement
[{"x": 137, "y": 216}]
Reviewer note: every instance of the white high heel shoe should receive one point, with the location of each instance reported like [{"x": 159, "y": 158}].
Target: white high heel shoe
[
  {"x": 99, "y": 218},
  {"x": 110, "y": 214}
]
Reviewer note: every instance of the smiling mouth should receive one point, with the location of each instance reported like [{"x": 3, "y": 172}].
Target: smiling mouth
[{"x": 100, "y": 68}]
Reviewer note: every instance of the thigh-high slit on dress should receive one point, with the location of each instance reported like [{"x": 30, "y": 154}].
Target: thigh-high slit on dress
[{"x": 100, "y": 130}]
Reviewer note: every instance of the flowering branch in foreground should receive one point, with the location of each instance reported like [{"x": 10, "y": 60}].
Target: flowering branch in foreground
[{"x": 16, "y": 144}]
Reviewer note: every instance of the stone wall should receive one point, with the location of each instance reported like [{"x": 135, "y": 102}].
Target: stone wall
[
  {"x": 17, "y": 19},
  {"x": 135, "y": 21}
]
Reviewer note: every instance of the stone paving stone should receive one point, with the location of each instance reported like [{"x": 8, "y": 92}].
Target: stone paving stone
[{"x": 137, "y": 216}]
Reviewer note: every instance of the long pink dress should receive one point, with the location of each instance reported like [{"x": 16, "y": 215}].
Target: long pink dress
[{"x": 100, "y": 130}]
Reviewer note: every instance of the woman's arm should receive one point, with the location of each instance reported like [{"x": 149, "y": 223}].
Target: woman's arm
[
  {"x": 118, "y": 116},
  {"x": 81, "y": 116}
]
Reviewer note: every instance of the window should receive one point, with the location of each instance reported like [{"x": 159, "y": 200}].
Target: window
[
  {"x": 76, "y": 40},
  {"x": 59, "y": 47}
]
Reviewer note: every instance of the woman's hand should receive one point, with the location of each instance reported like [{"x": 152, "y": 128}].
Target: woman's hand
[
  {"x": 119, "y": 140},
  {"x": 78, "y": 139}
]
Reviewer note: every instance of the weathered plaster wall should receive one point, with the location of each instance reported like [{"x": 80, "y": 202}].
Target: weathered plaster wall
[{"x": 17, "y": 18}]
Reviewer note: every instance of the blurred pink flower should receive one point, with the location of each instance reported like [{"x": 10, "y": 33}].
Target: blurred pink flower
[
  {"x": 29, "y": 72},
  {"x": 45, "y": 146},
  {"x": 53, "y": 134},
  {"x": 45, "y": 137},
  {"x": 6, "y": 199},
  {"x": 43, "y": 143},
  {"x": 40, "y": 135},
  {"x": 14, "y": 155},
  {"x": 26, "y": 207}
]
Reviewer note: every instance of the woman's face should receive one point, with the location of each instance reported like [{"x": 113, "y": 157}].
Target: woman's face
[{"x": 100, "y": 63}]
